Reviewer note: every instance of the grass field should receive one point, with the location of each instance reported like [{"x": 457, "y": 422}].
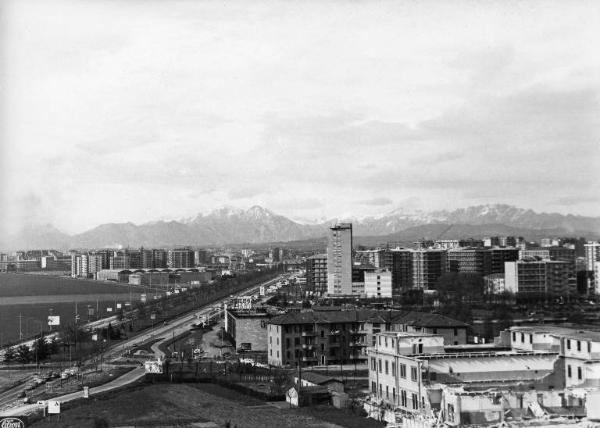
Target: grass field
[
  {"x": 183, "y": 404},
  {"x": 14, "y": 284}
]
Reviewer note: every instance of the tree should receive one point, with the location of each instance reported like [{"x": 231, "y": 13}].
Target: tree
[
  {"x": 10, "y": 355},
  {"x": 40, "y": 349},
  {"x": 23, "y": 354}
]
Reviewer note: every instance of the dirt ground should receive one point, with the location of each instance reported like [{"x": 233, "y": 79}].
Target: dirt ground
[{"x": 182, "y": 405}]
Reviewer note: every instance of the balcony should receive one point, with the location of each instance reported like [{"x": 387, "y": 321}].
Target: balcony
[
  {"x": 356, "y": 344},
  {"x": 308, "y": 334},
  {"x": 307, "y": 346},
  {"x": 335, "y": 332},
  {"x": 309, "y": 358}
]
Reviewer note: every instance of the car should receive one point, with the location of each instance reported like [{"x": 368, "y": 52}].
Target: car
[{"x": 42, "y": 402}]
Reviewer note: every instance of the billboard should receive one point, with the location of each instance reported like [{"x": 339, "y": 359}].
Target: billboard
[
  {"x": 143, "y": 298},
  {"x": 153, "y": 367},
  {"x": 13, "y": 421},
  {"x": 109, "y": 309},
  {"x": 53, "y": 406},
  {"x": 53, "y": 320},
  {"x": 118, "y": 306}
]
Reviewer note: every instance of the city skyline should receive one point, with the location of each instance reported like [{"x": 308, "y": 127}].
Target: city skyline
[{"x": 122, "y": 112}]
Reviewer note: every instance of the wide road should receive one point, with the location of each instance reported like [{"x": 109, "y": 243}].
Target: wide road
[{"x": 174, "y": 328}]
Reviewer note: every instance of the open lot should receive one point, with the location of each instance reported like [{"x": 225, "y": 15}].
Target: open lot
[{"x": 183, "y": 404}]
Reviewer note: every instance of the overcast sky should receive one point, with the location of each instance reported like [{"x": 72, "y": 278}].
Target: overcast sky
[{"x": 143, "y": 110}]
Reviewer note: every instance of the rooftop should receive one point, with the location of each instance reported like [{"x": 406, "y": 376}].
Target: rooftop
[{"x": 570, "y": 333}]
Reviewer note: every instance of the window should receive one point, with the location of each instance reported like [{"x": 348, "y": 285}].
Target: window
[
  {"x": 415, "y": 401},
  {"x": 451, "y": 412},
  {"x": 434, "y": 330},
  {"x": 379, "y": 340},
  {"x": 394, "y": 395},
  {"x": 322, "y": 333},
  {"x": 387, "y": 392},
  {"x": 373, "y": 364},
  {"x": 531, "y": 338},
  {"x": 270, "y": 340},
  {"x": 277, "y": 354},
  {"x": 403, "y": 398},
  {"x": 413, "y": 374},
  {"x": 589, "y": 346},
  {"x": 420, "y": 348},
  {"x": 514, "y": 336},
  {"x": 578, "y": 345},
  {"x": 287, "y": 343},
  {"x": 380, "y": 391},
  {"x": 579, "y": 374},
  {"x": 297, "y": 341},
  {"x": 456, "y": 332},
  {"x": 380, "y": 365},
  {"x": 386, "y": 367},
  {"x": 568, "y": 371},
  {"x": 271, "y": 352},
  {"x": 393, "y": 368},
  {"x": 373, "y": 387},
  {"x": 403, "y": 371},
  {"x": 522, "y": 337},
  {"x": 568, "y": 343},
  {"x": 385, "y": 341}
]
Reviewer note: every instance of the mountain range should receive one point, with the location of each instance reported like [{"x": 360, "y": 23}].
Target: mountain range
[{"x": 258, "y": 225}]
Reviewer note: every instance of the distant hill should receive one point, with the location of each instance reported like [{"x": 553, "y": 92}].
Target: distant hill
[{"x": 258, "y": 225}]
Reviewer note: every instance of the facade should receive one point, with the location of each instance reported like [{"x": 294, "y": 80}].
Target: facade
[
  {"x": 592, "y": 257},
  {"x": 416, "y": 382},
  {"x": 427, "y": 267},
  {"x": 315, "y": 338},
  {"x": 579, "y": 349},
  {"x": 339, "y": 260},
  {"x": 543, "y": 277},
  {"x": 180, "y": 258},
  {"x": 469, "y": 260},
  {"x": 85, "y": 265},
  {"x": 374, "y": 257},
  {"x": 400, "y": 262},
  {"x": 501, "y": 256},
  {"x": 494, "y": 284},
  {"x": 316, "y": 274},
  {"x": 247, "y": 329},
  {"x": 378, "y": 284}
]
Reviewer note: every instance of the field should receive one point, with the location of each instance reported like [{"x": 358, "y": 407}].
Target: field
[
  {"x": 13, "y": 284},
  {"x": 33, "y": 296},
  {"x": 184, "y": 404}
]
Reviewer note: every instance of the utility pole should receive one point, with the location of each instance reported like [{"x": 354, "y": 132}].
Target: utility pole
[{"x": 20, "y": 326}]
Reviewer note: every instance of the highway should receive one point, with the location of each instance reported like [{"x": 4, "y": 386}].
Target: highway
[{"x": 165, "y": 332}]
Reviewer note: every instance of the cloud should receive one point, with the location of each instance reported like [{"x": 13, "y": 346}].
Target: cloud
[{"x": 376, "y": 201}]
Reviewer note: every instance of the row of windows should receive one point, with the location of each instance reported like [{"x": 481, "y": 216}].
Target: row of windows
[
  {"x": 579, "y": 372},
  {"x": 400, "y": 399},
  {"x": 384, "y": 366}
]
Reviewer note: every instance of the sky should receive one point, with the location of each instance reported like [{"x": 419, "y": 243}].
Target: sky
[{"x": 140, "y": 110}]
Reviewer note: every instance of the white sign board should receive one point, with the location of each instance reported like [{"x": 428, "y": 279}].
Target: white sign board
[
  {"x": 153, "y": 367},
  {"x": 86, "y": 392},
  {"x": 53, "y": 407},
  {"x": 143, "y": 298},
  {"x": 108, "y": 309},
  {"x": 53, "y": 320},
  {"x": 118, "y": 306}
]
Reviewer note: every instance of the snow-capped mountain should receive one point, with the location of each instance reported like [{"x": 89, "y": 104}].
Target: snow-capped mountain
[{"x": 259, "y": 225}]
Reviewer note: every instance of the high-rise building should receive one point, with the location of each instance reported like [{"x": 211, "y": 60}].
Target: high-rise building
[
  {"x": 427, "y": 267},
  {"x": 400, "y": 262},
  {"x": 501, "y": 256},
  {"x": 159, "y": 258},
  {"x": 535, "y": 276},
  {"x": 592, "y": 257},
  {"x": 469, "y": 260},
  {"x": 180, "y": 258},
  {"x": 339, "y": 259},
  {"x": 316, "y": 274},
  {"x": 85, "y": 265}
]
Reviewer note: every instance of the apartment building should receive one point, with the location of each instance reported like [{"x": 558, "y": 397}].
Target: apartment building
[
  {"x": 378, "y": 284},
  {"x": 540, "y": 277},
  {"x": 469, "y": 260},
  {"x": 427, "y": 267},
  {"x": 339, "y": 260},
  {"x": 316, "y": 274},
  {"x": 315, "y": 338}
]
